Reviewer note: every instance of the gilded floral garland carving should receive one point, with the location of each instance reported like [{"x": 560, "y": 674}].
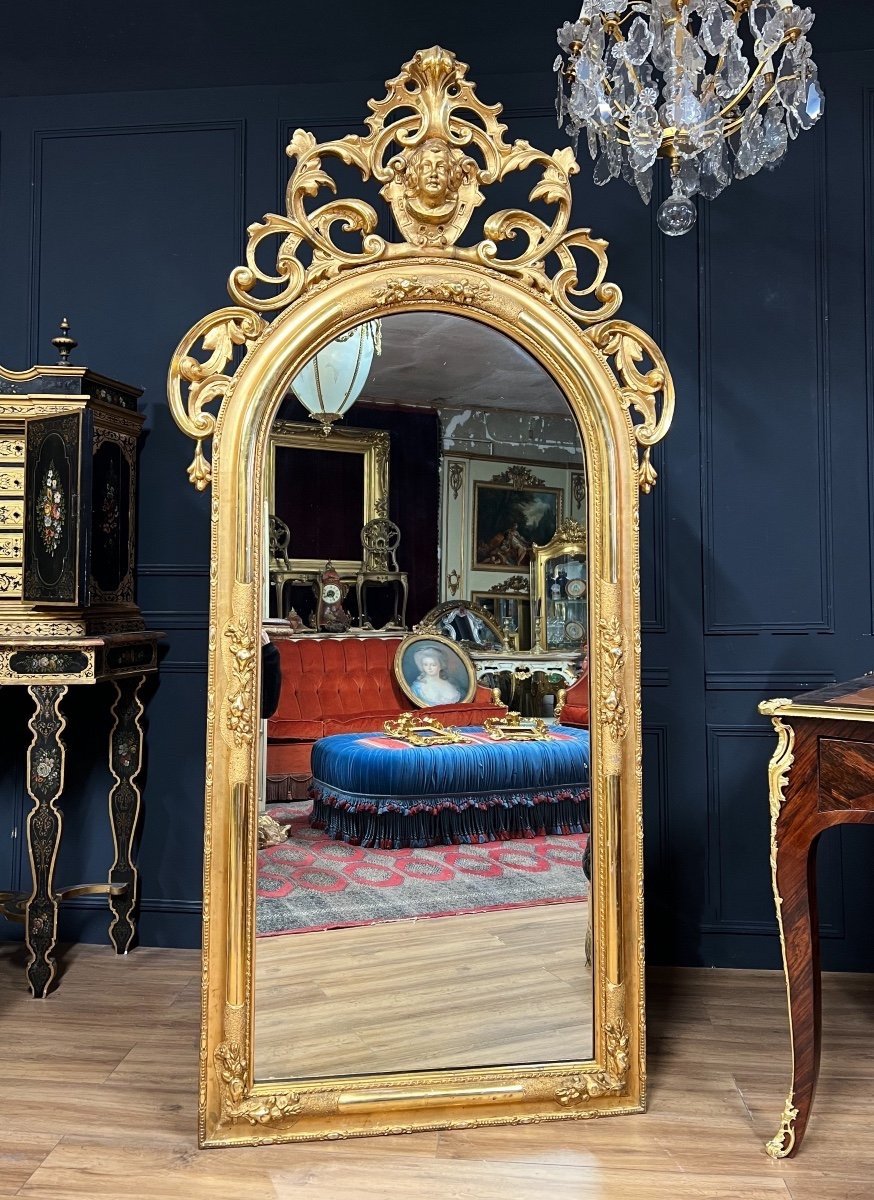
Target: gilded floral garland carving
[
  {"x": 447, "y": 291},
  {"x": 613, "y": 710},
  {"x": 577, "y": 1089},
  {"x": 237, "y": 1103},
  {"x": 240, "y": 712}
]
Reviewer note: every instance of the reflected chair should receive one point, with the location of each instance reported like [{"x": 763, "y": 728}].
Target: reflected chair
[
  {"x": 280, "y": 570},
  {"x": 380, "y": 539}
]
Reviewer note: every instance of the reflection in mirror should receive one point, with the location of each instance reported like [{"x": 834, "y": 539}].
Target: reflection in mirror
[{"x": 424, "y": 899}]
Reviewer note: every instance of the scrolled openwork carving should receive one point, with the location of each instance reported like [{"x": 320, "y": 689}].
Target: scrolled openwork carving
[
  {"x": 433, "y": 146},
  {"x": 627, "y": 346},
  {"x": 217, "y": 334}
]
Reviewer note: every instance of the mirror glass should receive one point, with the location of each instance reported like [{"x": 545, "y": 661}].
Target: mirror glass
[{"x": 423, "y": 895}]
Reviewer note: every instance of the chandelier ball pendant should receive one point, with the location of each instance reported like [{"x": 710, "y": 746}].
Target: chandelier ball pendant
[{"x": 716, "y": 88}]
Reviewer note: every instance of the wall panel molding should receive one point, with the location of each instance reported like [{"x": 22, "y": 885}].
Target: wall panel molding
[
  {"x": 767, "y": 681},
  {"x": 868, "y": 184},
  {"x": 657, "y": 782},
  {"x": 41, "y": 137},
  {"x": 823, "y": 622},
  {"x": 738, "y": 808}
]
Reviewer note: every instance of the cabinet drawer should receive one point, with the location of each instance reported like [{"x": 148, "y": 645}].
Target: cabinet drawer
[{"x": 846, "y": 775}]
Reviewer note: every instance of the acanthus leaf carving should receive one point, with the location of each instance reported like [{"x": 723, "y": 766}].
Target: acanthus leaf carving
[
  {"x": 783, "y": 1141},
  {"x": 433, "y": 146},
  {"x": 218, "y": 334},
  {"x": 639, "y": 391}
]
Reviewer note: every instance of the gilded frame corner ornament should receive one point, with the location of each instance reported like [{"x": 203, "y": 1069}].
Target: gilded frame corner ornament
[{"x": 226, "y": 381}]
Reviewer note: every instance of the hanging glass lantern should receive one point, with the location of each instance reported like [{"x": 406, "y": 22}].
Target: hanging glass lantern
[{"x": 332, "y": 380}]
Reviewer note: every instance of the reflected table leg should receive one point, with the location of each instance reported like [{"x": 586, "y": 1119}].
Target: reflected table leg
[
  {"x": 125, "y": 761},
  {"x": 45, "y": 780}
]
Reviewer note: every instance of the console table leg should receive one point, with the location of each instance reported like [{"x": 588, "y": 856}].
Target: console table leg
[
  {"x": 125, "y": 761},
  {"x": 796, "y": 886},
  {"x": 45, "y": 781}
]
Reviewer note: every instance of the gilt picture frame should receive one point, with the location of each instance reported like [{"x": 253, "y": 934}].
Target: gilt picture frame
[
  {"x": 509, "y": 520},
  {"x": 433, "y": 670}
]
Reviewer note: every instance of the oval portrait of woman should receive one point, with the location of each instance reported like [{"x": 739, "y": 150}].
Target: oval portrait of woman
[{"x": 433, "y": 670}]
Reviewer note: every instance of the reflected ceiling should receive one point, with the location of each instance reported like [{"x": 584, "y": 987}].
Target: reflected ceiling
[{"x": 437, "y": 358}]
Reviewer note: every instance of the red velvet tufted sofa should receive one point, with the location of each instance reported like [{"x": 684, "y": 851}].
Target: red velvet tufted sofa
[{"x": 341, "y": 685}]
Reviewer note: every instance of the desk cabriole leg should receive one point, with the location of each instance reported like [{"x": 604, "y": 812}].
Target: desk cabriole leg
[
  {"x": 45, "y": 782},
  {"x": 125, "y": 762},
  {"x": 796, "y": 881}
]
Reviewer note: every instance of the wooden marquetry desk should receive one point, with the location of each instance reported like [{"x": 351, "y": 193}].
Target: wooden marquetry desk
[
  {"x": 821, "y": 774},
  {"x": 47, "y": 668}
]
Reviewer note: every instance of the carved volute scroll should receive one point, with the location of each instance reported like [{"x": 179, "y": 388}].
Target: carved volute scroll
[{"x": 434, "y": 146}]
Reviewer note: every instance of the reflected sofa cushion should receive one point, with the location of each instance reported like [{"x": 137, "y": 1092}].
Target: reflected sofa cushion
[{"x": 345, "y": 685}]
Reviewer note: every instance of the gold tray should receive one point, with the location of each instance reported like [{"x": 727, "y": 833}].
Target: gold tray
[
  {"x": 516, "y": 728},
  {"x": 412, "y": 727}
]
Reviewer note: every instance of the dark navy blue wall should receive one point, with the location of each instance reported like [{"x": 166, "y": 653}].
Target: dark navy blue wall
[{"x": 126, "y": 210}]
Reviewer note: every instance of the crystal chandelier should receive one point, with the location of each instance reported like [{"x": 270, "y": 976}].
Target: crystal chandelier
[
  {"x": 689, "y": 81},
  {"x": 330, "y": 383}
]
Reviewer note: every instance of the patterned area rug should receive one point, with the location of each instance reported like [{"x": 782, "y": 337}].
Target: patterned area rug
[{"x": 311, "y": 882}]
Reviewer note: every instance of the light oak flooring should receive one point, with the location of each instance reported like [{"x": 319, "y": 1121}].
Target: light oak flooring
[
  {"x": 478, "y": 989},
  {"x": 98, "y": 1099}
]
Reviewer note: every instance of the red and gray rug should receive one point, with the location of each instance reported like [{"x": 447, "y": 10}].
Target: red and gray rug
[{"x": 311, "y": 882}]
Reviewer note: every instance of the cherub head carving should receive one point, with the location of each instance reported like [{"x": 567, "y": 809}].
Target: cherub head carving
[{"x": 433, "y": 192}]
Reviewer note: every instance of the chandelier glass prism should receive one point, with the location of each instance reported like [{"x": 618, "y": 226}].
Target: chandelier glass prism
[{"x": 716, "y": 88}]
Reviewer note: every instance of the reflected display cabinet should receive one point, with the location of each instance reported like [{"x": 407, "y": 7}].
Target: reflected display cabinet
[{"x": 559, "y": 589}]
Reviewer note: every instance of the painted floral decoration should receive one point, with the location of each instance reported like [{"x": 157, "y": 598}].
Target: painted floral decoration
[
  {"x": 45, "y": 769},
  {"x": 109, "y": 522},
  {"x": 53, "y": 509}
]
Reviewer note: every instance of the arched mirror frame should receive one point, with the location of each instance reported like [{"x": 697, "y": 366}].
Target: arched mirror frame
[{"x": 596, "y": 361}]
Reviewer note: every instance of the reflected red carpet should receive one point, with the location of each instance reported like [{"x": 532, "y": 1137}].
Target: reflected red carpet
[{"x": 311, "y": 882}]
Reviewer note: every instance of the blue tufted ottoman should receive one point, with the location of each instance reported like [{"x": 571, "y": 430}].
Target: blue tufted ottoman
[{"x": 370, "y": 789}]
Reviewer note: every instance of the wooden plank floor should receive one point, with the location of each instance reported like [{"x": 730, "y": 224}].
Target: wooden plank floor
[
  {"x": 470, "y": 990},
  {"x": 98, "y": 1098}
]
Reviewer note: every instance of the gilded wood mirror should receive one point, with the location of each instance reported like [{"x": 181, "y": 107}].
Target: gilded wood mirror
[{"x": 488, "y": 1012}]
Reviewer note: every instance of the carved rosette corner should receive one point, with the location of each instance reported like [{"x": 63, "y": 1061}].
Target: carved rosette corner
[
  {"x": 576, "y": 1090},
  {"x": 647, "y": 394},
  {"x": 236, "y": 1102}
]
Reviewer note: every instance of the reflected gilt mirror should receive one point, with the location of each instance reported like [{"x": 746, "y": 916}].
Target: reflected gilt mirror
[{"x": 423, "y": 862}]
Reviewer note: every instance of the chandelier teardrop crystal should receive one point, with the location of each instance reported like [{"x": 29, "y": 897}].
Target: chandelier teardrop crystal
[{"x": 717, "y": 88}]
